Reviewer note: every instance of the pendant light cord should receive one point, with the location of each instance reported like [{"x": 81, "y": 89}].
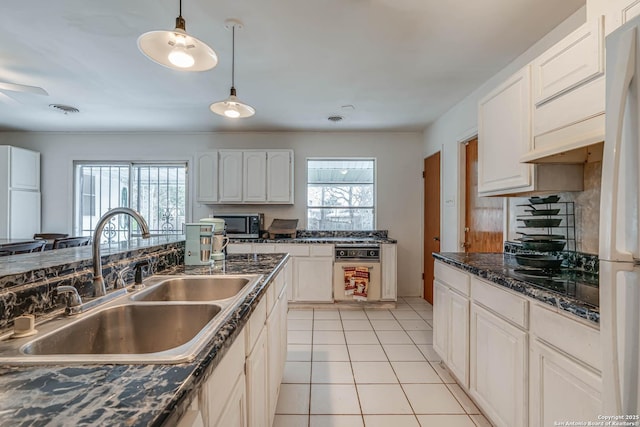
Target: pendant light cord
[
  {"x": 233, "y": 55},
  {"x": 180, "y": 11}
]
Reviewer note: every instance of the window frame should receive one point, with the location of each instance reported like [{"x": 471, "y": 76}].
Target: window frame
[
  {"x": 131, "y": 164},
  {"x": 374, "y": 206}
]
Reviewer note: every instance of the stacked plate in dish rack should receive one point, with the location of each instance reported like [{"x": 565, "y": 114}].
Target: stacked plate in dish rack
[{"x": 540, "y": 214}]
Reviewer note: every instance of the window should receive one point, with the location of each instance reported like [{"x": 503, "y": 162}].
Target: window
[
  {"x": 157, "y": 191},
  {"x": 341, "y": 194}
]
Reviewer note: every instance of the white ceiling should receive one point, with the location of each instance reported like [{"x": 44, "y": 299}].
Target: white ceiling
[{"x": 400, "y": 63}]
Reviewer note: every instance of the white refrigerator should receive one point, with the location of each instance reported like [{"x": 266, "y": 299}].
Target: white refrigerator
[{"x": 619, "y": 251}]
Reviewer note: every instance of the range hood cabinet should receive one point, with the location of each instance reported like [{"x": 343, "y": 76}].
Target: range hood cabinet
[{"x": 579, "y": 142}]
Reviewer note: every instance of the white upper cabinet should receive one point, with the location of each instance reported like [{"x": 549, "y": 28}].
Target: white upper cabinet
[
  {"x": 569, "y": 96},
  {"x": 207, "y": 177},
  {"x": 280, "y": 176},
  {"x": 620, "y": 12},
  {"x": 504, "y": 136},
  {"x": 25, "y": 169},
  {"x": 574, "y": 60},
  {"x": 245, "y": 176},
  {"x": 230, "y": 175},
  {"x": 255, "y": 172}
]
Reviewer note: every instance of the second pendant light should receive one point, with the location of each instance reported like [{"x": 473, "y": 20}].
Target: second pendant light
[{"x": 232, "y": 107}]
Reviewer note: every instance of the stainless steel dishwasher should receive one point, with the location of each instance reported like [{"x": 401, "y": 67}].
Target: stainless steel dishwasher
[{"x": 357, "y": 255}]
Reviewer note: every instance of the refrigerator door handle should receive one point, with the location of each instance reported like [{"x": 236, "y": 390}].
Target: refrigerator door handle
[{"x": 619, "y": 76}]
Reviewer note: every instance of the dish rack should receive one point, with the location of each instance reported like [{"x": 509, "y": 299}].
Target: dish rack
[{"x": 549, "y": 226}]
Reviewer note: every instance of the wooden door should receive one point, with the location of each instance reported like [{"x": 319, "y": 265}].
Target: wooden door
[
  {"x": 431, "y": 220},
  {"x": 483, "y": 215}
]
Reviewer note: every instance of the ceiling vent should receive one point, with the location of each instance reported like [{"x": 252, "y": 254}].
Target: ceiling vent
[
  {"x": 66, "y": 109},
  {"x": 335, "y": 118}
]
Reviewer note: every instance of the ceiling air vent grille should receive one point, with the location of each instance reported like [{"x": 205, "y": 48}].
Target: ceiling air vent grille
[
  {"x": 66, "y": 109},
  {"x": 335, "y": 118}
]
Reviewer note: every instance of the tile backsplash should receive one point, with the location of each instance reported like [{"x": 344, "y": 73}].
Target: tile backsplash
[{"x": 587, "y": 210}]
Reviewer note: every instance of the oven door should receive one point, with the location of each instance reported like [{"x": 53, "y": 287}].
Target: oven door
[{"x": 374, "y": 289}]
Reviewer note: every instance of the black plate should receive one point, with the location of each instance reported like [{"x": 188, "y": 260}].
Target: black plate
[
  {"x": 544, "y": 245},
  {"x": 541, "y": 222},
  {"x": 535, "y": 200},
  {"x": 537, "y": 237},
  {"x": 539, "y": 261},
  {"x": 537, "y": 212}
]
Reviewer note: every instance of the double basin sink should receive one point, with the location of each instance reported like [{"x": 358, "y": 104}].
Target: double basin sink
[{"x": 169, "y": 321}]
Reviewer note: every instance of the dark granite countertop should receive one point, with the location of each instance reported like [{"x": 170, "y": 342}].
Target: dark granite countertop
[
  {"x": 577, "y": 294},
  {"x": 75, "y": 257},
  {"x": 132, "y": 395},
  {"x": 319, "y": 240}
]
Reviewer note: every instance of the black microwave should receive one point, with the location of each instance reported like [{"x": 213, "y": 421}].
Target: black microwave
[{"x": 243, "y": 226}]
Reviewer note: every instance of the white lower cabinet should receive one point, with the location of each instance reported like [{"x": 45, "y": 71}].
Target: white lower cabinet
[
  {"x": 313, "y": 279},
  {"x": 498, "y": 354},
  {"x": 524, "y": 363},
  {"x": 389, "y": 291},
  {"x": 451, "y": 330},
  {"x": 561, "y": 388},
  {"x": 234, "y": 414},
  {"x": 274, "y": 371}
]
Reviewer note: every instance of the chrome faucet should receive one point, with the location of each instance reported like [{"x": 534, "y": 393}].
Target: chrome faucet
[{"x": 98, "y": 281}]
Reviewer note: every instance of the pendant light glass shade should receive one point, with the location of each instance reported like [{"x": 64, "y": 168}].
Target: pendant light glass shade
[
  {"x": 176, "y": 49},
  {"x": 232, "y": 107}
]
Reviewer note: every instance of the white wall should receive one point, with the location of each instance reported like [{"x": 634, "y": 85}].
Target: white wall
[
  {"x": 399, "y": 171},
  {"x": 460, "y": 123}
]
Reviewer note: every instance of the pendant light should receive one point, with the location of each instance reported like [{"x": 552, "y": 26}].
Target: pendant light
[
  {"x": 232, "y": 107},
  {"x": 176, "y": 49}
]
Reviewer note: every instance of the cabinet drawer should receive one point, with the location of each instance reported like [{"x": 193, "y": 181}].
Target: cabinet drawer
[
  {"x": 255, "y": 325},
  {"x": 293, "y": 250},
  {"x": 510, "y": 307},
  {"x": 263, "y": 248},
  {"x": 577, "y": 339},
  {"x": 321, "y": 250},
  {"x": 452, "y": 277},
  {"x": 239, "y": 248}
]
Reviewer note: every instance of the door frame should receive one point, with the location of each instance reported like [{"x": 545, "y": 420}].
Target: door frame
[
  {"x": 464, "y": 138},
  {"x": 462, "y": 141}
]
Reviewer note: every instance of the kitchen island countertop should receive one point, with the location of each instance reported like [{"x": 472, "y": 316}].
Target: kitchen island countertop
[
  {"x": 136, "y": 395},
  {"x": 500, "y": 268}
]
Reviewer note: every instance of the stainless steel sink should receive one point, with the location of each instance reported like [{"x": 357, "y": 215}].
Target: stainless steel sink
[
  {"x": 194, "y": 288},
  {"x": 169, "y": 322},
  {"x": 127, "y": 329}
]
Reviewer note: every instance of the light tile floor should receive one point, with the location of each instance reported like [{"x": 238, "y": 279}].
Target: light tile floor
[{"x": 369, "y": 368}]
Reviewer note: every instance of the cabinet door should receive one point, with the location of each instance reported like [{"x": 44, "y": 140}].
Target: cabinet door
[
  {"x": 498, "y": 368},
  {"x": 257, "y": 383},
  {"x": 279, "y": 177},
  {"x": 255, "y": 171},
  {"x": 619, "y": 12},
  {"x": 25, "y": 169},
  {"x": 504, "y": 135},
  {"x": 440, "y": 319},
  {"x": 573, "y": 61},
  {"x": 234, "y": 413},
  {"x": 274, "y": 373},
  {"x": 207, "y": 177},
  {"x": 24, "y": 214},
  {"x": 230, "y": 176},
  {"x": 313, "y": 279},
  {"x": 561, "y": 388},
  {"x": 389, "y": 273},
  {"x": 458, "y": 343}
]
